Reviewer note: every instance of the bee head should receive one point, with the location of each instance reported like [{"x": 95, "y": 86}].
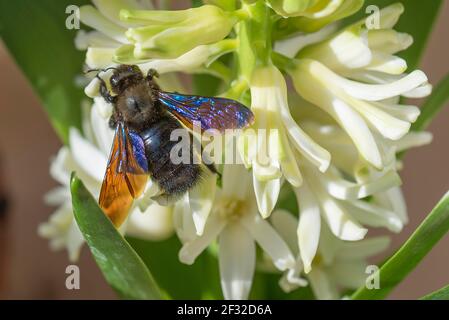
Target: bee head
[{"x": 124, "y": 76}]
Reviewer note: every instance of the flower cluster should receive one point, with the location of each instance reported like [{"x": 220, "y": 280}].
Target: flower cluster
[{"x": 332, "y": 141}]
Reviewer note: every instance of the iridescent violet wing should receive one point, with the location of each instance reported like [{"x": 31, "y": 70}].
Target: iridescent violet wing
[{"x": 210, "y": 112}]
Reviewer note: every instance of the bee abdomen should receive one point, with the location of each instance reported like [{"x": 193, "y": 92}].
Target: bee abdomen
[{"x": 173, "y": 178}]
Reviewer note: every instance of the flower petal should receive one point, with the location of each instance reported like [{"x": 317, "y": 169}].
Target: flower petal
[
  {"x": 404, "y": 112},
  {"x": 419, "y": 92},
  {"x": 237, "y": 259},
  {"x": 236, "y": 182},
  {"x": 289, "y": 47},
  {"x": 376, "y": 92},
  {"x": 305, "y": 145},
  {"x": 103, "y": 108},
  {"x": 347, "y": 190},
  {"x": 412, "y": 140},
  {"x": 309, "y": 226},
  {"x": 269, "y": 240},
  {"x": 349, "y": 274},
  {"x": 57, "y": 196},
  {"x": 75, "y": 241},
  {"x": 188, "y": 62},
  {"x": 156, "y": 223},
  {"x": 94, "y": 19},
  {"x": 373, "y": 215},
  {"x": 192, "y": 249},
  {"x": 388, "y": 40},
  {"x": 314, "y": 82},
  {"x": 387, "y": 125},
  {"x": 267, "y": 193},
  {"x": 104, "y": 135},
  {"x": 111, "y": 9},
  {"x": 291, "y": 279},
  {"x": 201, "y": 198},
  {"x": 364, "y": 248},
  {"x": 87, "y": 156},
  {"x": 285, "y": 224},
  {"x": 340, "y": 223},
  {"x": 58, "y": 169},
  {"x": 359, "y": 132},
  {"x": 394, "y": 200},
  {"x": 183, "y": 221},
  {"x": 389, "y": 16},
  {"x": 289, "y": 165},
  {"x": 347, "y": 50},
  {"x": 322, "y": 286},
  {"x": 387, "y": 63},
  {"x": 99, "y": 58}
]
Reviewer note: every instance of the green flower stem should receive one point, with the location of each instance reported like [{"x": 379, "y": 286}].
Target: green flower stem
[
  {"x": 219, "y": 70},
  {"x": 237, "y": 89},
  {"x": 282, "y": 62},
  {"x": 241, "y": 14},
  {"x": 221, "y": 48},
  {"x": 254, "y": 35}
]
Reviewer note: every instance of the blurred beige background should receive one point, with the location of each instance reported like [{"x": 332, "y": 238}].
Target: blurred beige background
[{"x": 29, "y": 270}]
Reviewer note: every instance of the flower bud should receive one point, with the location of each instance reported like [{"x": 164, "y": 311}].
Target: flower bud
[
  {"x": 169, "y": 34},
  {"x": 292, "y": 8}
]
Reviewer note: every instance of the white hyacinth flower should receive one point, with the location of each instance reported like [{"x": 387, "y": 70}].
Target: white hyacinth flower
[
  {"x": 236, "y": 223},
  {"x": 355, "y": 77},
  {"x": 339, "y": 195},
  {"x": 268, "y": 146},
  {"x": 339, "y": 264}
]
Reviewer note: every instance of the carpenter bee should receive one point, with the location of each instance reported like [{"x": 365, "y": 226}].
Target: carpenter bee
[{"x": 143, "y": 118}]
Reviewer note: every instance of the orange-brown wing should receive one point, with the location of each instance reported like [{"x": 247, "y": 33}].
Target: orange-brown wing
[{"x": 126, "y": 175}]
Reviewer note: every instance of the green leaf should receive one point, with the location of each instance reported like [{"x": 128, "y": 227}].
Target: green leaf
[
  {"x": 198, "y": 281},
  {"x": 441, "y": 294},
  {"x": 120, "y": 264},
  {"x": 433, "y": 104},
  {"x": 395, "y": 269},
  {"x": 35, "y": 34}
]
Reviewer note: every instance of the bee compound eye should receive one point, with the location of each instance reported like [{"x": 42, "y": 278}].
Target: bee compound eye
[{"x": 114, "y": 81}]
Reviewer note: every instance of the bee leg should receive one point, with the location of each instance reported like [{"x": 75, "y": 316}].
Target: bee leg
[
  {"x": 212, "y": 169},
  {"x": 105, "y": 92},
  {"x": 112, "y": 121},
  {"x": 152, "y": 73}
]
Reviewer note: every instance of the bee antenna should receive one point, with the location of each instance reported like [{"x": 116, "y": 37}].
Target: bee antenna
[
  {"x": 91, "y": 70},
  {"x": 110, "y": 68},
  {"x": 99, "y": 70}
]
